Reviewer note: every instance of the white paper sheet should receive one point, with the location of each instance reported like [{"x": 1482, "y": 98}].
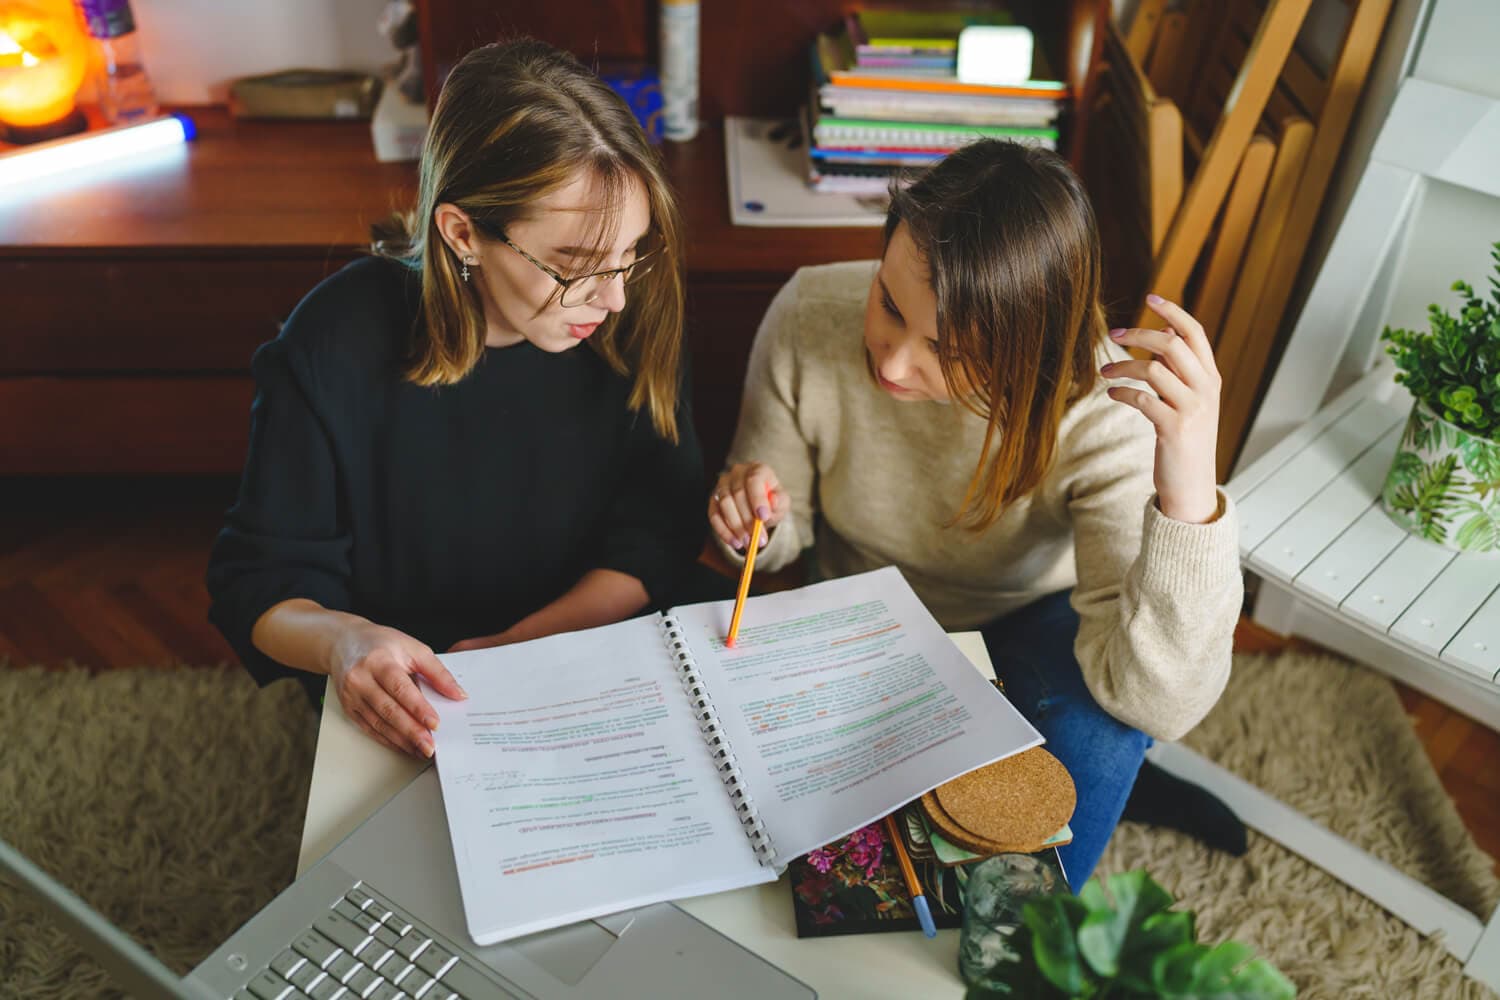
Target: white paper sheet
[
  {"x": 845, "y": 700},
  {"x": 576, "y": 783}
]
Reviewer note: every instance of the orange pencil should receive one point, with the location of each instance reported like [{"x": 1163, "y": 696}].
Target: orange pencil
[
  {"x": 739, "y": 598},
  {"x": 918, "y": 897}
]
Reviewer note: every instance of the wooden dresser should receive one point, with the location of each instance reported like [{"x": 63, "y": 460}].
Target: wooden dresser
[{"x": 132, "y": 300}]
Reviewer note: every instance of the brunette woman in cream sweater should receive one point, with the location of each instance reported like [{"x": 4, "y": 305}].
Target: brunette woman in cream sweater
[{"x": 958, "y": 409}]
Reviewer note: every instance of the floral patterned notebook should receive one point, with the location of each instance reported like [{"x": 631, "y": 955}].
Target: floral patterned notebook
[{"x": 856, "y": 887}]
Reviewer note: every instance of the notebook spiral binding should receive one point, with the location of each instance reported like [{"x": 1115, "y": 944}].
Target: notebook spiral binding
[{"x": 718, "y": 743}]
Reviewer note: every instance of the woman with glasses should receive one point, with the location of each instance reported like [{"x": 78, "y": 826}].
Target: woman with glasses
[
  {"x": 480, "y": 435},
  {"x": 957, "y": 409}
]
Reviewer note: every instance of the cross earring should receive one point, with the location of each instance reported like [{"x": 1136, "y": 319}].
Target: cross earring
[{"x": 468, "y": 259}]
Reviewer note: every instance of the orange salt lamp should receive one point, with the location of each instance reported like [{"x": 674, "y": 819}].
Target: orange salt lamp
[{"x": 44, "y": 56}]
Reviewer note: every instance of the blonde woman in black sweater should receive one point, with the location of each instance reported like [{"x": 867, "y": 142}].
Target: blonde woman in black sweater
[{"x": 480, "y": 437}]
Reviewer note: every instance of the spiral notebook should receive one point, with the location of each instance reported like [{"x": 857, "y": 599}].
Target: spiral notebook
[{"x": 603, "y": 770}]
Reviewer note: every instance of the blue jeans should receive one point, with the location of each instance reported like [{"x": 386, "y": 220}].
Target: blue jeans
[{"x": 1032, "y": 650}]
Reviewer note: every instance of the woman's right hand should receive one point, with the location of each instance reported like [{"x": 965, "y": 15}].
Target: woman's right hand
[
  {"x": 743, "y": 493},
  {"x": 373, "y": 671}
]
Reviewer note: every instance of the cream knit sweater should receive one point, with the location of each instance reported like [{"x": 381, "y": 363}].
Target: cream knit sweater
[{"x": 1158, "y": 598}]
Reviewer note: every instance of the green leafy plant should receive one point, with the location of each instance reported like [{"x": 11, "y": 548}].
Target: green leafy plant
[
  {"x": 1124, "y": 944},
  {"x": 1455, "y": 368}
]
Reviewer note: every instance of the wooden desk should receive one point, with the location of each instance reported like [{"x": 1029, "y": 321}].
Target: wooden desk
[{"x": 133, "y": 299}]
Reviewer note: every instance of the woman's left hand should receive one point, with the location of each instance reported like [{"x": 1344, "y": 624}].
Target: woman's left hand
[{"x": 1184, "y": 408}]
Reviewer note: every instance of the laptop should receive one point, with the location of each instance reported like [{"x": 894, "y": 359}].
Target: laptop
[{"x": 380, "y": 918}]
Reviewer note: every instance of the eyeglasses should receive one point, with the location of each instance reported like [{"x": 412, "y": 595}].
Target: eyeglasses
[{"x": 585, "y": 288}]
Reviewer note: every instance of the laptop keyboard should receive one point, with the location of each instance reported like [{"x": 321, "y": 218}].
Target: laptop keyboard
[{"x": 366, "y": 949}]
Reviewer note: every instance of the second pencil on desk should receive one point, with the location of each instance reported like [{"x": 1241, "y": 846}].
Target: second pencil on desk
[{"x": 918, "y": 894}]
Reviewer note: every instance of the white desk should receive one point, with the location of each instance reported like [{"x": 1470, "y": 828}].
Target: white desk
[{"x": 353, "y": 776}]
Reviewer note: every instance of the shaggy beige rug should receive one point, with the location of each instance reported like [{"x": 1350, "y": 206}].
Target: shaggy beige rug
[
  {"x": 1330, "y": 739},
  {"x": 173, "y": 801}
]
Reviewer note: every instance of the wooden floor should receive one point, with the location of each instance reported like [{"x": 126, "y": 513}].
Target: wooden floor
[{"x": 110, "y": 575}]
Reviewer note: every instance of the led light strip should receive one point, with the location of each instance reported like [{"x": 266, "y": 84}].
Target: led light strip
[{"x": 48, "y": 159}]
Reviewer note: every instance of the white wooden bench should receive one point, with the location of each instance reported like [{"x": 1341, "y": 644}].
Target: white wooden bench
[
  {"x": 1334, "y": 567},
  {"x": 1328, "y": 563}
]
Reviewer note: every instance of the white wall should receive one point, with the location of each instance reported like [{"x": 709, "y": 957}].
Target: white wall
[
  {"x": 1452, "y": 42},
  {"x": 1450, "y": 237},
  {"x": 1461, "y": 47},
  {"x": 194, "y": 48}
]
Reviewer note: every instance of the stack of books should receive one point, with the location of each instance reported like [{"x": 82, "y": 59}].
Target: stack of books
[{"x": 886, "y": 96}]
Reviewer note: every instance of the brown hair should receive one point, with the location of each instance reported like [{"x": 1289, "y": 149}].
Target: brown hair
[
  {"x": 515, "y": 121},
  {"x": 1012, "y": 251}
]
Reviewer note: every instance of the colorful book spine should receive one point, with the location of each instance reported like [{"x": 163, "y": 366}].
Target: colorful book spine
[
  {"x": 949, "y": 85},
  {"x": 837, "y": 102},
  {"x": 897, "y": 133},
  {"x": 885, "y": 59},
  {"x": 885, "y": 157}
]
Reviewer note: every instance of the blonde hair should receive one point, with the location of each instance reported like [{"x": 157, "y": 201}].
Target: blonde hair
[
  {"x": 1012, "y": 248},
  {"x": 514, "y": 122}
]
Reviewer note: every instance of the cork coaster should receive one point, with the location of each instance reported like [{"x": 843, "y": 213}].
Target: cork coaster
[
  {"x": 959, "y": 837},
  {"x": 1012, "y": 805}
]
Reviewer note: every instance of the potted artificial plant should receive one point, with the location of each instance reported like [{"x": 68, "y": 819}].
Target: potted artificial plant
[
  {"x": 1124, "y": 944},
  {"x": 1444, "y": 484}
]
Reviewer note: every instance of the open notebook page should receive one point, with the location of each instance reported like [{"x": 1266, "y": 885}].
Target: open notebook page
[
  {"x": 576, "y": 783},
  {"x": 843, "y": 701}
]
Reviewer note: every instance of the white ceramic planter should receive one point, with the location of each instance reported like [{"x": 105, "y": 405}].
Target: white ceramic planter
[{"x": 1444, "y": 484}]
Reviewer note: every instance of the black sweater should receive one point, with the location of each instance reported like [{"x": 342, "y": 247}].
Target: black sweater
[{"x": 446, "y": 512}]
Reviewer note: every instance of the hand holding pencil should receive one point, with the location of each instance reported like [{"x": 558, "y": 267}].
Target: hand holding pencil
[{"x": 744, "y": 493}]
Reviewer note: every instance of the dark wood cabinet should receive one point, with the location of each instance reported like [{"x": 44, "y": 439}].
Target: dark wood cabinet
[
  {"x": 88, "y": 315},
  {"x": 130, "y": 303},
  {"x": 722, "y": 318}
]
